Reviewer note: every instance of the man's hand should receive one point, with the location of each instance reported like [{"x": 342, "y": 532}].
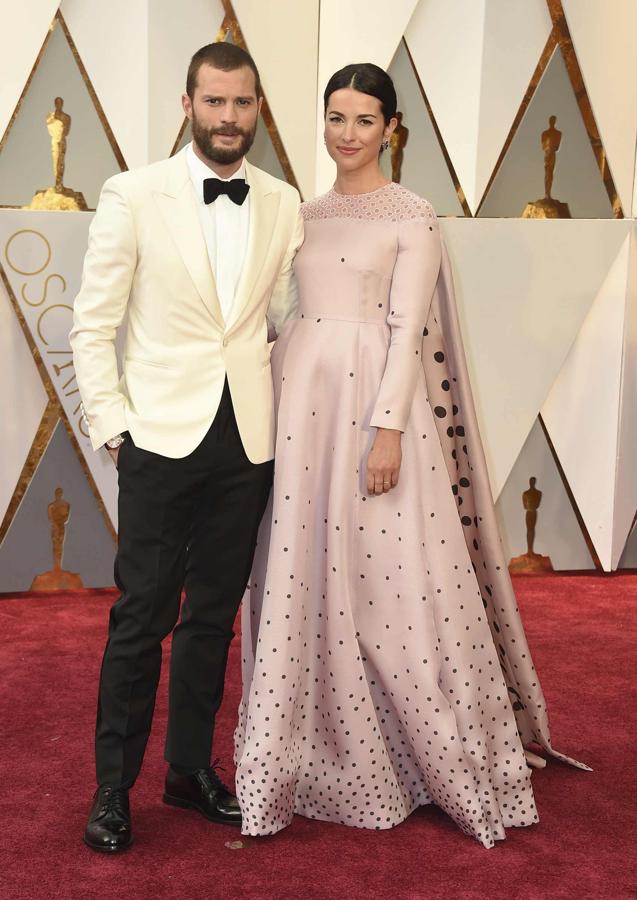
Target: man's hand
[
  {"x": 383, "y": 462},
  {"x": 114, "y": 454}
]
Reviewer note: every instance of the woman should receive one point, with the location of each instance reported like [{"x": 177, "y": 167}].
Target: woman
[{"x": 385, "y": 663}]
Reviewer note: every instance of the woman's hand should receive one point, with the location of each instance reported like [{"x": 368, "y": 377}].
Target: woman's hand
[{"x": 383, "y": 461}]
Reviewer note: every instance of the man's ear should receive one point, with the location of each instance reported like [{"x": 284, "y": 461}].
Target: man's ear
[{"x": 186, "y": 103}]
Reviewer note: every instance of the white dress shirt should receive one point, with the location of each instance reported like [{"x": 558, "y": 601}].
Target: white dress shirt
[{"x": 225, "y": 226}]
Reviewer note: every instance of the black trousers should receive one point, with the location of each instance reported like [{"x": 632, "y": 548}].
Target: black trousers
[{"x": 188, "y": 524}]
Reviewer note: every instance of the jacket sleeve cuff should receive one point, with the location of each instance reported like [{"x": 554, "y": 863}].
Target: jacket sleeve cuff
[{"x": 106, "y": 427}]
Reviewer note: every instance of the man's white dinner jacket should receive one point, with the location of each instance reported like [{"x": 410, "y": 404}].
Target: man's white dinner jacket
[{"x": 147, "y": 257}]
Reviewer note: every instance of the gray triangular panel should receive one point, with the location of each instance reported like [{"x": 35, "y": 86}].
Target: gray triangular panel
[
  {"x": 25, "y": 162},
  {"x": 88, "y": 548},
  {"x": 577, "y": 180},
  {"x": 628, "y": 558},
  {"x": 558, "y": 534},
  {"x": 424, "y": 169}
]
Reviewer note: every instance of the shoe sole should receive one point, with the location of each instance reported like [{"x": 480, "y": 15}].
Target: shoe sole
[
  {"x": 102, "y": 849},
  {"x": 188, "y": 804}
]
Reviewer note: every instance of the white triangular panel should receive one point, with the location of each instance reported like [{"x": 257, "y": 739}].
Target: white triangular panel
[
  {"x": 23, "y": 398},
  {"x": 352, "y": 32},
  {"x": 626, "y": 481},
  {"x": 524, "y": 288},
  {"x": 43, "y": 254},
  {"x": 152, "y": 43},
  {"x": 112, "y": 40},
  {"x": 603, "y": 35},
  {"x": 22, "y": 34},
  {"x": 514, "y": 36},
  {"x": 287, "y": 30},
  {"x": 446, "y": 44},
  {"x": 175, "y": 32},
  {"x": 581, "y": 411}
]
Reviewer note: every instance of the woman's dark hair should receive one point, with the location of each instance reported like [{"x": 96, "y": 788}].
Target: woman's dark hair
[
  {"x": 224, "y": 56},
  {"x": 368, "y": 79}
]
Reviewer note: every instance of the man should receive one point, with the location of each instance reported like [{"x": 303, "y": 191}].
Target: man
[{"x": 197, "y": 250}]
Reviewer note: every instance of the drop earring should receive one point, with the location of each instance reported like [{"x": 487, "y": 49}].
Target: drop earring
[{"x": 384, "y": 145}]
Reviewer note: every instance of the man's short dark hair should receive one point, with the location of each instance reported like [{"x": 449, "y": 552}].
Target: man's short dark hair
[{"x": 224, "y": 56}]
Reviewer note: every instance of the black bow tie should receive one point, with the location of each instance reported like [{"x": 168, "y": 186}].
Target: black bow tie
[{"x": 236, "y": 189}]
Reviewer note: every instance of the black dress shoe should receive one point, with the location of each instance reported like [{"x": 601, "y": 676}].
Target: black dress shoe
[
  {"x": 109, "y": 826},
  {"x": 205, "y": 792}
]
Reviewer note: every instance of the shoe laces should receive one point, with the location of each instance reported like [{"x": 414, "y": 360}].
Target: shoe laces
[
  {"x": 216, "y": 784},
  {"x": 113, "y": 802}
]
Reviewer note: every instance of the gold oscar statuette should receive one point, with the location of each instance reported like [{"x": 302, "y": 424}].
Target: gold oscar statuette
[
  {"x": 397, "y": 148},
  {"x": 57, "y": 579},
  {"x": 548, "y": 207},
  {"x": 531, "y": 563},
  {"x": 58, "y": 197}
]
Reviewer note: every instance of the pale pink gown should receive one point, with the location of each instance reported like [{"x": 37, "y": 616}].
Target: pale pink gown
[{"x": 384, "y": 660}]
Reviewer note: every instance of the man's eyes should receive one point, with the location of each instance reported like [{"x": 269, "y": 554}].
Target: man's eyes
[{"x": 217, "y": 101}]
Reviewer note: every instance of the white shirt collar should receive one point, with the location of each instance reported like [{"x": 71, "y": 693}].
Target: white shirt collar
[{"x": 199, "y": 170}]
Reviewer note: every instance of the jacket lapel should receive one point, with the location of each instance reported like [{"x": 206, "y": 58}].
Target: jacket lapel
[
  {"x": 178, "y": 205},
  {"x": 264, "y": 208}
]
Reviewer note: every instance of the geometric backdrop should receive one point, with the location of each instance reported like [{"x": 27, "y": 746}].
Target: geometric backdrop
[{"x": 548, "y": 307}]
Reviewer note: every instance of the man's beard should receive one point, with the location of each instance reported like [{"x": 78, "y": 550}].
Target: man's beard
[{"x": 203, "y": 138}]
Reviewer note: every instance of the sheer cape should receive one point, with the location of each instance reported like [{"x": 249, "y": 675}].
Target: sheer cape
[{"x": 444, "y": 363}]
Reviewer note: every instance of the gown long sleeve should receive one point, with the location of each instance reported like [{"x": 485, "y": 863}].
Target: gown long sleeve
[{"x": 412, "y": 287}]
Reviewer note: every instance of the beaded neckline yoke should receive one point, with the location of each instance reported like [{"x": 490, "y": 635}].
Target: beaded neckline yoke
[{"x": 391, "y": 203}]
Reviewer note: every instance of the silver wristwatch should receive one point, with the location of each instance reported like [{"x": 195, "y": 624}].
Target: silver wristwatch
[{"x": 115, "y": 442}]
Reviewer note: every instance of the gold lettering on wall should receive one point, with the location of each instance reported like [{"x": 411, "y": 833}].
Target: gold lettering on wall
[
  {"x": 14, "y": 265},
  {"x": 21, "y": 247},
  {"x": 48, "y": 310},
  {"x": 46, "y": 288}
]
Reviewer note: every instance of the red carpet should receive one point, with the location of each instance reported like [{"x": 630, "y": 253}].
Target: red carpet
[{"x": 581, "y": 629}]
